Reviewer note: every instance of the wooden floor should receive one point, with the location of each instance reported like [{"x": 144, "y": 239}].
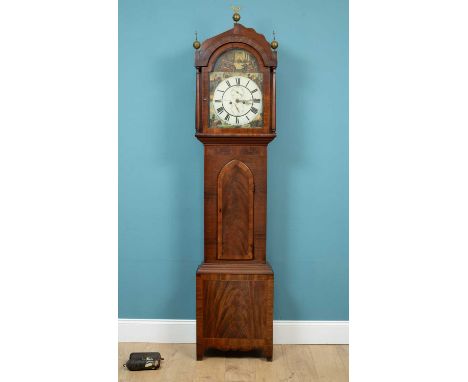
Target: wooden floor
[{"x": 315, "y": 363}]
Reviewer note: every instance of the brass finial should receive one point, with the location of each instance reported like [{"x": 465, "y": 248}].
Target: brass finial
[
  {"x": 196, "y": 43},
  {"x": 274, "y": 43},
  {"x": 236, "y": 15}
]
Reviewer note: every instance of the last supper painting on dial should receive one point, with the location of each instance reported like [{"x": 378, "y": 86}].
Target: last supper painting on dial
[{"x": 236, "y": 99}]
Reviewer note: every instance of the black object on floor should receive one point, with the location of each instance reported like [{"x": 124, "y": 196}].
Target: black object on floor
[{"x": 143, "y": 361}]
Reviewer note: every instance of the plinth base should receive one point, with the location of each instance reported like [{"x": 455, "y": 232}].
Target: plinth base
[{"x": 235, "y": 307}]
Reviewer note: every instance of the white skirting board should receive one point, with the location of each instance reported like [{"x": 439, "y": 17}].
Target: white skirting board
[{"x": 183, "y": 331}]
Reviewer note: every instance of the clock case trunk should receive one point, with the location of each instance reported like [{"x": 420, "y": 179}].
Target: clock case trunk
[{"x": 234, "y": 284}]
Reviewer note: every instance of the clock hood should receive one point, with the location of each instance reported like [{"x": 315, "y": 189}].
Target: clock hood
[{"x": 241, "y": 34}]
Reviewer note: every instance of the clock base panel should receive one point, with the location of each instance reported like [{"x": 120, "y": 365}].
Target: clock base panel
[{"x": 235, "y": 308}]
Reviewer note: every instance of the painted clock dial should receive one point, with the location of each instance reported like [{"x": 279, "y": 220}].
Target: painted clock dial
[{"x": 236, "y": 99}]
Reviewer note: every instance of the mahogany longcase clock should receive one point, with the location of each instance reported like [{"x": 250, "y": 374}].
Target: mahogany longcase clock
[{"x": 235, "y": 120}]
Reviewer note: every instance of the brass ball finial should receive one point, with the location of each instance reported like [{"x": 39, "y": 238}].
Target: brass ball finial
[
  {"x": 274, "y": 44},
  {"x": 196, "y": 43},
  {"x": 236, "y": 16}
]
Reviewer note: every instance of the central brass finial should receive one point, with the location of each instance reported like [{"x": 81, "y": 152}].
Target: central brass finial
[{"x": 236, "y": 16}]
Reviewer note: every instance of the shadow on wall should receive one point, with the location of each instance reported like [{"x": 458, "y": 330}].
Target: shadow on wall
[
  {"x": 182, "y": 154},
  {"x": 285, "y": 155}
]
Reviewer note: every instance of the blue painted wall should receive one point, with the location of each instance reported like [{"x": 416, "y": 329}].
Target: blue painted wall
[{"x": 161, "y": 162}]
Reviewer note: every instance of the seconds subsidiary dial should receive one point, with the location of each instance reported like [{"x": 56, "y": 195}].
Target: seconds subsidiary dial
[{"x": 237, "y": 100}]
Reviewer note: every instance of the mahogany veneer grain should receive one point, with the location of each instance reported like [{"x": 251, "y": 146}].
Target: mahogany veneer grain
[{"x": 235, "y": 284}]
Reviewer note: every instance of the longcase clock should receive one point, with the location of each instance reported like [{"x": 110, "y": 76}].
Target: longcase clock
[{"x": 235, "y": 120}]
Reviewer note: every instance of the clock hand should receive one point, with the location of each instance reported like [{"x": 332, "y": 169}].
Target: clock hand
[{"x": 245, "y": 101}]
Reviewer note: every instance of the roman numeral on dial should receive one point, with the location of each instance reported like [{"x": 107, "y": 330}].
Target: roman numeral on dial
[
  {"x": 238, "y": 81},
  {"x": 220, "y": 110},
  {"x": 253, "y": 91},
  {"x": 228, "y": 83},
  {"x": 254, "y": 110},
  {"x": 237, "y": 119},
  {"x": 256, "y": 100},
  {"x": 227, "y": 117}
]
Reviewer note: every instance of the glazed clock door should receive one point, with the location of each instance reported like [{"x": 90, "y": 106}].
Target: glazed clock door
[{"x": 236, "y": 86}]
